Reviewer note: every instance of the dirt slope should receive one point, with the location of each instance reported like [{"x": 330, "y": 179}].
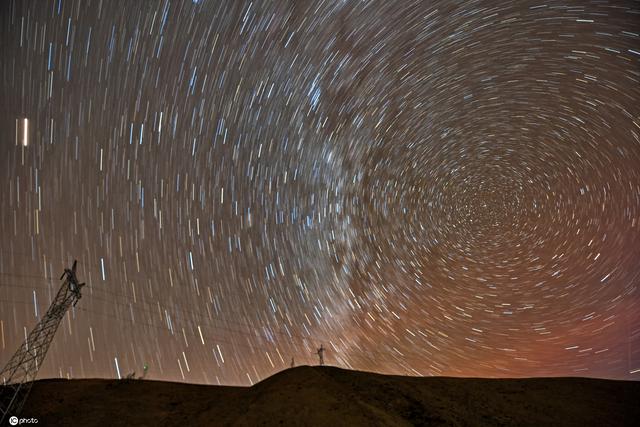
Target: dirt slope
[{"x": 330, "y": 396}]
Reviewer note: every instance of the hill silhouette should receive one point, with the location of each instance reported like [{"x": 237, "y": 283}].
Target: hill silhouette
[{"x": 330, "y": 396}]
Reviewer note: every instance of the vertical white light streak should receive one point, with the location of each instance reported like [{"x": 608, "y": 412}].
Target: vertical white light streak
[
  {"x": 186, "y": 364},
  {"x": 220, "y": 353},
  {"x": 25, "y": 133},
  {"x": 201, "y": 337},
  {"x": 35, "y": 304},
  {"x": 93, "y": 344},
  {"x": 117, "y": 368}
]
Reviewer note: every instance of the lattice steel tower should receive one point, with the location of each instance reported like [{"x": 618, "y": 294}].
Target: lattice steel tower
[{"x": 18, "y": 375}]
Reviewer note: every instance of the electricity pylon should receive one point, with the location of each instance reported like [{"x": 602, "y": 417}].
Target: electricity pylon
[{"x": 19, "y": 374}]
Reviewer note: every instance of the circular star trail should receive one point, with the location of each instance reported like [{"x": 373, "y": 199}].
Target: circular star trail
[{"x": 424, "y": 188}]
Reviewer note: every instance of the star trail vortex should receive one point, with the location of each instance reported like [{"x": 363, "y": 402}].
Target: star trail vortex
[{"x": 424, "y": 188}]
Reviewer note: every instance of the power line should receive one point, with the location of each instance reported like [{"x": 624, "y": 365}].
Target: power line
[
  {"x": 253, "y": 330},
  {"x": 194, "y": 322}
]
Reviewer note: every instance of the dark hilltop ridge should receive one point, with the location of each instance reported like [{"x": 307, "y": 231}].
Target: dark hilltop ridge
[{"x": 329, "y": 396}]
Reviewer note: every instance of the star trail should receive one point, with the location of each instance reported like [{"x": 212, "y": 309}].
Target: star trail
[{"x": 423, "y": 188}]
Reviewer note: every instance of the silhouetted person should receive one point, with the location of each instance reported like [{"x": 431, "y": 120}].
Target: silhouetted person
[{"x": 321, "y": 354}]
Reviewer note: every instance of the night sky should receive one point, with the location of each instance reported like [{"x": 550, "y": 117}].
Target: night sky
[{"x": 424, "y": 188}]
